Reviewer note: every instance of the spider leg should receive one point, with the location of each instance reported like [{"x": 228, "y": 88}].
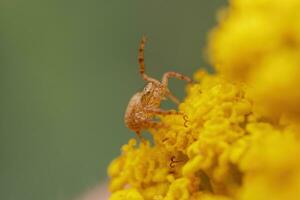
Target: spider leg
[
  {"x": 142, "y": 62},
  {"x": 152, "y": 124},
  {"x": 139, "y": 134},
  {"x": 159, "y": 111},
  {"x": 172, "y": 97},
  {"x": 168, "y": 75}
]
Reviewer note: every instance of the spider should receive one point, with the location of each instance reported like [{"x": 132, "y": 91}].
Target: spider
[{"x": 144, "y": 105}]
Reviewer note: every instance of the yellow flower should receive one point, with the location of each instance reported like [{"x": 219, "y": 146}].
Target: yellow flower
[
  {"x": 258, "y": 42},
  {"x": 222, "y": 154},
  {"x": 226, "y": 152},
  {"x": 242, "y": 140}
]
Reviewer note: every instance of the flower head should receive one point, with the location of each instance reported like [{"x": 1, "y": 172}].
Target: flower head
[{"x": 241, "y": 140}]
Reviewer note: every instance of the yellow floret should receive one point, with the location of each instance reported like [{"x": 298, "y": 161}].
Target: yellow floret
[
  {"x": 129, "y": 194},
  {"x": 275, "y": 174}
]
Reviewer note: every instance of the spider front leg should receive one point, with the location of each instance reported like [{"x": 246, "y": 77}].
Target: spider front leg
[
  {"x": 168, "y": 75},
  {"x": 165, "y": 79},
  {"x": 141, "y": 61},
  {"x": 172, "y": 97},
  {"x": 159, "y": 111}
]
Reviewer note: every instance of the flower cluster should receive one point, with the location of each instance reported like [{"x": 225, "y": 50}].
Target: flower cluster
[
  {"x": 242, "y": 138},
  {"x": 258, "y": 42}
]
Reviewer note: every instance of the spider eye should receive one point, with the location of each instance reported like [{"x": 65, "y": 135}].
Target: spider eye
[{"x": 147, "y": 88}]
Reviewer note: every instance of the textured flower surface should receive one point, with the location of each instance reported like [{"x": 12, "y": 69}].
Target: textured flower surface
[
  {"x": 242, "y": 137},
  {"x": 258, "y": 42},
  {"x": 226, "y": 152}
]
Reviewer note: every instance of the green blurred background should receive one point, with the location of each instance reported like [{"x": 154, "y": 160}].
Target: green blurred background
[{"x": 68, "y": 69}]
